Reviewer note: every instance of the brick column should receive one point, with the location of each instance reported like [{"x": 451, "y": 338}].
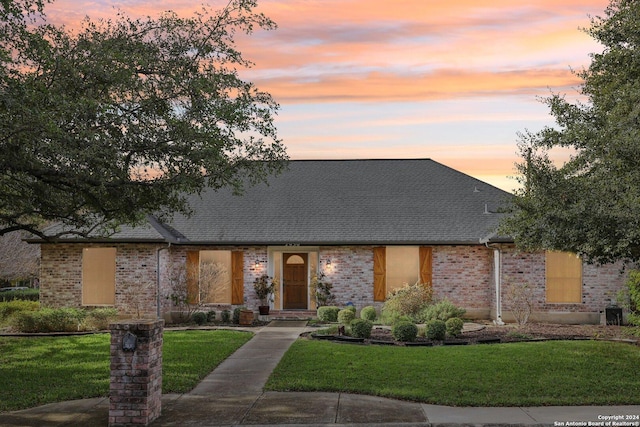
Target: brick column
[{"x": 135, "y": 392}]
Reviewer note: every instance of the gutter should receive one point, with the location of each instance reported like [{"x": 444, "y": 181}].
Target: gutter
[
  {"x": 497, "y": 272},
  {"x": 158, "y": 311}
]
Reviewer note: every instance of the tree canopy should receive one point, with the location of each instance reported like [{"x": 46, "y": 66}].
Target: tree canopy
[
  {"x": 589, "y": 205},
  {"x": 124, "y": 117}
]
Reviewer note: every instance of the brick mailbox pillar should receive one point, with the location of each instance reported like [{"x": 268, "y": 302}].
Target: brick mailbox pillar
[{"x": 135, "y": 392}]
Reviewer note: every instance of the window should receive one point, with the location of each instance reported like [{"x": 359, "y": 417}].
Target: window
[
  {"x": 98, "y": 276},
  {"x": 395, "y": 266},
  {"x": 563, "y": 277},
  {"x": 215, "y": 277}
]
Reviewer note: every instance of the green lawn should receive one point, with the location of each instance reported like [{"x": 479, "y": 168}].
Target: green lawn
[
  {"x": 35, "y": 371},
  {"x": 519, "y": 374}
]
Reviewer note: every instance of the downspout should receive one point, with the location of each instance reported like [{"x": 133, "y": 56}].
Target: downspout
[
  {"x": 158, "y": 313},
  {"x": 497, "y": 270}
]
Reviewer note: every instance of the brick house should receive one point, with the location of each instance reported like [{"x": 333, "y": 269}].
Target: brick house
[{"x": 369, "y": 225}]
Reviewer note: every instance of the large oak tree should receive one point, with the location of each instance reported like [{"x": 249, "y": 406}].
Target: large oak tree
[
  {"x": 591, "y": 204},
  {"x": 120, "y": 118}
]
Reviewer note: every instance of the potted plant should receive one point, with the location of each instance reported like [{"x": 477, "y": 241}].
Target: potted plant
[{"x": 265, "y": 288}]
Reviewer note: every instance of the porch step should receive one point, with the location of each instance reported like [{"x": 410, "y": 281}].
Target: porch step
[{"x": 289, "y": 315}]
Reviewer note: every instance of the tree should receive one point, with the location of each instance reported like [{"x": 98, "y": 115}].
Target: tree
[
  {"x": 19, "y": 261},
  {"x": 125, "y": 117},
  {"x": 589, "y": 205}
]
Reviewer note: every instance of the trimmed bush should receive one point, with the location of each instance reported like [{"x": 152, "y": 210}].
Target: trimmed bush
[
  {"x": 50, "y": 320},
  {"x": 328, "y": 313},
  {"x": 404, "y": 331},
  {"x": 226, "y": 316},
  {"x": 345, "y": 316},
  {"x": 8, "y": 309},
  {"x": 99, "y": 318},
  {"x": 442, "y": 310},
  {"x": 409, "y": 300},
  {"x": 211, "y": 316},
  {"x": 352, "y": 308},
  {"x": 24, "y": 294},
  {"x": 454, "y": 326},
  {"x": 368, "y": 313},
  {"x": 236, "y": 314},
  {"x": 361, "y": 328},
  {"x": 435, "y": 330},
  {"x": 199, "y": 317}
]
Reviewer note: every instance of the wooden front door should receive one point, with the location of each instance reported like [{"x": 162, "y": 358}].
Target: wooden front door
[{"x": 295, "y": 281}]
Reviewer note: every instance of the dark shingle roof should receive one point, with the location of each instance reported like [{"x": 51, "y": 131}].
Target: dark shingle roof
[{"x": 317, "y": 202}]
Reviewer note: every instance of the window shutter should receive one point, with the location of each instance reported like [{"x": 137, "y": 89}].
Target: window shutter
[
  {"x": 237, "y": 278},
  {"x": 426, "y": 262},
  {"x": 193, "y": 276},
  {"x": 379, "y": 274}
]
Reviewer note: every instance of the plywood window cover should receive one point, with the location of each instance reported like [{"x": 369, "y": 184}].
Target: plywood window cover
[
  {"x": 563, "y": 271},
  {"x": 99, "y": 276}
]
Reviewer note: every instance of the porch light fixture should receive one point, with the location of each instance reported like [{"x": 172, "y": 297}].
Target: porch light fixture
[
  {"x": 329, "y": 261},
  {"x": 257, "y": 263}
]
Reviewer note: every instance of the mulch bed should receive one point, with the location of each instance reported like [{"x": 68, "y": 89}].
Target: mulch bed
[{"x": 491, "y": 334}]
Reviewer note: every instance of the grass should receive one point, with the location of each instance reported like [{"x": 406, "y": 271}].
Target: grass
[
  {"x": 35, "y": 371},
  {"x": 518, "y": 374}
]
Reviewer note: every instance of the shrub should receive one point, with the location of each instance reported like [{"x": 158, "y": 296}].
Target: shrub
[
  {"x": 442, "y": 310},
  {"x": 50, "y": 320},
  {"x": 404, "y": 331},
  {"x": 435, "y": 329},
  {"x": 321, "y": 289},
  {"x": 519, "y": 299},
  {"x": 633, "y": 284},
  {"x": 409, "y": 300},
  {"x": 328, "y": 314},
  {"x": 345, "y": 316},
  {"x": 226, "y": 316},
  {"x": 352, "y": 308},
  {"x": 199, "y": 317},
  {"x": 368, "y": 313},
  {"x": 211, "y": 316},
  {"x": 454, "y": 326},
  {"x": 24, "y": 294},
  {"x": 361, "y": 328},
  {"x": 99, "y": 318},
  {"x": 236, "y": 314},
  {"x": 8, "y": 309}
]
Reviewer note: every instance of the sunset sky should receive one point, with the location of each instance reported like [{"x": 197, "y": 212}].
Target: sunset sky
[{"x": 453, "y": 81}]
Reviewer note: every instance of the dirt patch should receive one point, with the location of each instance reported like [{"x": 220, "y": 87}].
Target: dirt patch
[{"x": 488, "y": 333}]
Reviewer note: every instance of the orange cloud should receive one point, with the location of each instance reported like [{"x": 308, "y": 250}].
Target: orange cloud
[{"x": 444, "y": 84}]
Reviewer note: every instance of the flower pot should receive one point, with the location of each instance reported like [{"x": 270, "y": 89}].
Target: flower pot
[
  {"x": 263, "y": 309},
  {"x": 246, "y": 317}
]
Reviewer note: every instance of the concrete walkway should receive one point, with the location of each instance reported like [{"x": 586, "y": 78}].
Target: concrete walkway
[{"x": 232, "y": 395}]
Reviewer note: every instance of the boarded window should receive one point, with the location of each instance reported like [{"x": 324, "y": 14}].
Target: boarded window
[
  {"x": 396, "y": 266},
  {"x": 563, "y": 277},
  {"x": 98, "y": 276},
  {"x": 215, "y": 277}
]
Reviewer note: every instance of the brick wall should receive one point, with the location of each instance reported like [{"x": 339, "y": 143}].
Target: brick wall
[
  {"x": 600, "y": 283},
  {"x": 463, "y": 275},
  {"x": 350, "y": 272},
  {"x": 135, "y": 292}
]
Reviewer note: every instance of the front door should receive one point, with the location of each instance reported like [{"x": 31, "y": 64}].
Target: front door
[{"x": 295, "y": 281}]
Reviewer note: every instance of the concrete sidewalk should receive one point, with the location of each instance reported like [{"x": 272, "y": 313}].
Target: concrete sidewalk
[{"x": 232, "y": 395}]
